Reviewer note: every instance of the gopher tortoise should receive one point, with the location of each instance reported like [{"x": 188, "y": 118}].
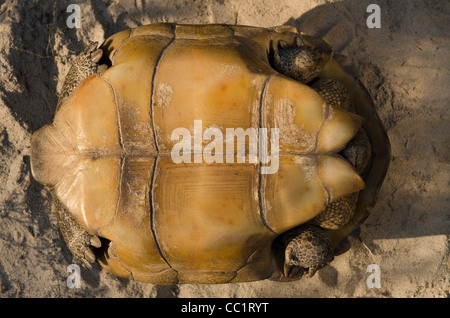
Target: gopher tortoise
[{"x": 211, "y": 154}]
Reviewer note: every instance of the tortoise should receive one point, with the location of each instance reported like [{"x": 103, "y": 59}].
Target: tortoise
[{"x": 123, "y": 201}]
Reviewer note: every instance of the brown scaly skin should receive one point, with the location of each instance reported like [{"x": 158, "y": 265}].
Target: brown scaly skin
[
  {"x": 78, "y": 240},
  {"x": 334, "y": 92},
  {"x": 301, "y": 63},
  {"x": 358, "y": 151},
  {"x": 337, "y": 213},
  {"x": 307, "y": 250},
  {"x": 84, "y": 65}
]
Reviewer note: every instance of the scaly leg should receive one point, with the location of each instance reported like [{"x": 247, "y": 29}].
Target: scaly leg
[
  {"x": 307, "y": 249},
  {"x": 300, "y": 62},
  {"x": 78, "y": 240},
  {"x": 84, "y": 65}
]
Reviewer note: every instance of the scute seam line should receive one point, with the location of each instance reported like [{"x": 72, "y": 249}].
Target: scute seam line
[
  {"x": 113, "y": 58},
  {"x": 260, "y": 196},
  {"x": 123, "y": 155},
  {"x": 325, "y": 118},
  {"x": 152, "y": 216},
  {"x": 323, "y": 183},
  {"x": 119, "y": 122},
  {"x": 152, "y": 98}
]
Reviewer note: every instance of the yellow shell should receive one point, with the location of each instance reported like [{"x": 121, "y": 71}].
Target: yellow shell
[{"x": 107, "y": 155}]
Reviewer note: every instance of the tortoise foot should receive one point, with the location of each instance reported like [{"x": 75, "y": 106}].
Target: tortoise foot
[
  {"x": 85, "y": 64},
  {"x": 79, "y": 241},
  {"x": 307, "y": 250},
  {"x": 300, "y": 62}
]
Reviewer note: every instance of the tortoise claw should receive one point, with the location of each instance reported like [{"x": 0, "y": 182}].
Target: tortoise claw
[
  {"x": 89, "y": 259},
  {"x": 95, "y": 241},
  {"x": 291, "y": 270},
  {"x": 282, "y": 44},
  {"x": 101, "y": 68},
  {"x": 96, "y": 55},
  {"x": 311, "y": 272}
]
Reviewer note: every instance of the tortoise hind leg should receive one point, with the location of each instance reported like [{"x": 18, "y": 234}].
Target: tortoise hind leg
[
  {"x": 78, "y": 240},
  {"x": 307, "y": 249},
  {"x": 337, "y": 213}
]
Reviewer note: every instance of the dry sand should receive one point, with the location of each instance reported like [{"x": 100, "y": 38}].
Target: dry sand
[{"x": 405, "y": 66}]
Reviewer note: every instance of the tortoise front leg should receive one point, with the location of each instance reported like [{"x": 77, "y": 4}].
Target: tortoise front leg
[
  {"x": 79, "y": 241},
  {"x": 84, "y": 65},
  {"x": 307, "y": 249}
]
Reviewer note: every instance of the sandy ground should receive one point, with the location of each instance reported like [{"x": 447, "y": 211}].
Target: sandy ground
[{"x": 405, "y": 66}]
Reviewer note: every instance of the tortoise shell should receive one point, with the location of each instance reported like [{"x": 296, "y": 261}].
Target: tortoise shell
[{"x": 107, "y": 155}]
